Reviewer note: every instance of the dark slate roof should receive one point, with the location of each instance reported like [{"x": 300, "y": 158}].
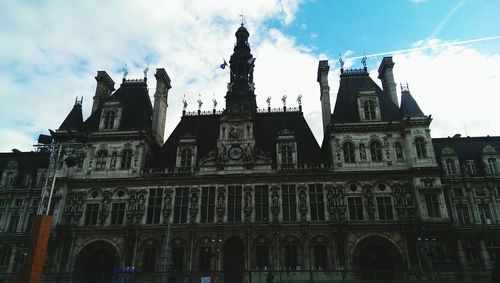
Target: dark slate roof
[
  {"x": 346, "y": 105},
  {"x": 27, "y": 163},
  {"x": 74, "y": 120},
  {"x": 409, "y": 107},
  {"x": 205, "y": 129},
  {"x": 469, "y": 148},
  {"x": 137, "y": 111}
]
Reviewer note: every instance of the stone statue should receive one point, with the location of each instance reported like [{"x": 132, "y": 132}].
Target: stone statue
[
  {"x": 248, "y": 153},
  {"x": 362, "y": 152}
]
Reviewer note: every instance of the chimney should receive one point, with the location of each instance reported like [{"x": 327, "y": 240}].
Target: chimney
[
  {"x": 387, "y": 77},
  {"x": 105, "y": 85},
  {"x": 160, "y": 104},
  {"x": 324, "y": 97}
]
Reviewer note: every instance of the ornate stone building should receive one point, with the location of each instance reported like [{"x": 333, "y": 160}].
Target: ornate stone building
[{"x": 245, "y": 190}]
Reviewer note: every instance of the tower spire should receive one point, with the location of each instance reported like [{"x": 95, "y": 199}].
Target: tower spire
[{"x": 240, "y": 94}]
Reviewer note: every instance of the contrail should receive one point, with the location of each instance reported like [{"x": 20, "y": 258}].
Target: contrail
[
  {"x": 426, "y": 47},
  {"x": 448, "y": 16}
]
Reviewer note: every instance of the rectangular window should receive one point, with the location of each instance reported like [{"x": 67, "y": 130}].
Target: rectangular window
[
  {"x": 91, "y": 213},
  {"x": 432, "y": 203},
  {"x": 262, "y": 256},
  {"x": 154, "y": 206},
  {"x": 291, "y": 257},
  {"x": 484, "y": 213},
  {"x": 13, "y": 222},
  {"x": 181, "y": 205},
  {"x": 178, "y": 258},
  {"x": 384, "y": 206},
  {"x": 470, "y": 168},
  {"x": 234, "y": 204},
  {"x": 207, "y": 204},
  {"x": 316, "y": 202},
  {"x": 320, "y": 257},
  {"x": 463, "y": 214},
  {"x": 480, "y": 192},
  {"x": 289, "y": 202},
  {"x": 458, "y": 192},
  {"x": 29, "y": 222},
  {"x": 355, "y": 205},
  {"x": 261, "y": 203},
  {"x": 18, "y": 202},
  {"x": 117, "y": 213}
]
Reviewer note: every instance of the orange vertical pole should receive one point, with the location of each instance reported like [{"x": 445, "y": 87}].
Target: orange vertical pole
[{"x": 38, "y": 249}]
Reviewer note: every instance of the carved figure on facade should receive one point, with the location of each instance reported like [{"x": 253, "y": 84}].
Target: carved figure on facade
[
  {"x": 303, "y": 203},
  {"x": 362, "y": 152},
  {"x": 234, "y": 133},
  {"x": 221, "y": 197},
  {"x": 248, "y": 207},
  {"x": 221, "y": 153},
  {"x": 275, "y": 204},
  {"x": 167, "y": 210},
  {"x": 248, "y": 153},
  {"x": 370, "y": 207},
  {"x": 193, "y": 211}
]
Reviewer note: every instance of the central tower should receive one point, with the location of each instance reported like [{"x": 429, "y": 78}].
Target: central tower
[{"x": 240, "y": 89}]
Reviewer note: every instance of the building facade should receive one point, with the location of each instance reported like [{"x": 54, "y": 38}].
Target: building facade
[{"x": 246, "y": 190}]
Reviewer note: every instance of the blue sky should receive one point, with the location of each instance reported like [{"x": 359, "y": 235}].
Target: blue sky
[{"x": 51, "y": 50}]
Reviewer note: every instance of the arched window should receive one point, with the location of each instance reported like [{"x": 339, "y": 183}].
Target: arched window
[
  {"x": 492, "y": 165},
  {"x": 149, "y": 256},
  {"x": 369, "y": 110},
  {"x": 5, "y": 253},
  {"x": 399, "y": 151},
  {"x": 186, "y": 157},
  {"x": 126, "y": 159},
  {"x": 286, "y": 154},
  {"x": 102, "y": 157},
  {"x": 451, "y": 169},
  {"x": 348, "y": 149},
  {"x": 376, "y": 151},
  {"x": 420, "y": 146},
  {"x": 109, "y": 120}
]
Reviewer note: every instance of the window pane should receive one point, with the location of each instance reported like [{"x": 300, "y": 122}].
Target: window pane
[
  {"x": 289, "y": 202},
  {"x": 261, "y": 203},
  {"x": 234, "y": 204},
  {"x": 181, "y": 205}
]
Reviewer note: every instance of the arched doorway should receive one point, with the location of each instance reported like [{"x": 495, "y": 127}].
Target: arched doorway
[
  {"x": 95, "y": 263},
  {"x": 234, "y": 260},
  {"x": 377, "y": 259}
]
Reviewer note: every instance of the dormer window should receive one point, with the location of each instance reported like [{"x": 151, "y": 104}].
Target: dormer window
[
  {"x": 376, "y": 151},
  {"x": 102, "y": 157},
  {"x": 492, "y": 165},
  {"x": 348, "y": 149},
  {"x": 109, "y": 120},
  {"x": 186, "y": 155},
  {"x": 470, "y": 168},
  {"x": 420, "y": 147},
  {"x": 110, "y": 116},
  {"x": 369, "y": 110},
  {"x": 126, "y": 159},
  {"x": 451, "y": 168},
  {"x": 286, "y": 154}
]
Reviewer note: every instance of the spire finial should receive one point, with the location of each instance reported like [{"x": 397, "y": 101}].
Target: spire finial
[
  {"x": 184, "y": 103},
  {"x": 299, "y": 99},
  {"x": 341, "y": 61},
  {"x": 215, "y": 102},
  {"x": 363, "y": 60},
  {"x": 146, "y": 71},
  {"x": 284, "y": 100},
  {"x": 268, "y": 101},
  {"x": 242, "y": 19},
  {"x": 200, "y": 103}
]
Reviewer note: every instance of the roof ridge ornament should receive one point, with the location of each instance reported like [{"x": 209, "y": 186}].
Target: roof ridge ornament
[{"x": 125, "y": 72}]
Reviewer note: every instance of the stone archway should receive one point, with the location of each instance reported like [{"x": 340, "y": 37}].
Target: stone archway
[
  {"x": 377, "y": 259},
  {"x": 234, "y": 260},
  {"x": 96, "y": 262}
]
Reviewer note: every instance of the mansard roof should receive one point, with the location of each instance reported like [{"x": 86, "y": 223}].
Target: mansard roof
[
  {"x": 134, "y": 101},
  {"x": 346, "y": 105},
  {"x": 25, "y": 162},
  {"x": 409, "y": 107},
  {"x": 204, "y": 129},
  {"x": 74, "y": 120},
  {"x": 468, "y": 148}
]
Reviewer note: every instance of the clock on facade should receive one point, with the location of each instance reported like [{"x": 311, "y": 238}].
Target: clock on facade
[{"x": 235, "y": 152}]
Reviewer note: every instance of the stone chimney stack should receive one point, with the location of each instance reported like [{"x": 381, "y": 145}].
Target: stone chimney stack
[
  {"x": 105, "y": 85},
  {"x": 160, "y": 104},
  {"x": 324, "y": 97},
  {"x": 387, "y": 77}
]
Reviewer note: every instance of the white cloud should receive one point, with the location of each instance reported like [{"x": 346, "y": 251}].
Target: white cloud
[{"x": 458, "y": 85}]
